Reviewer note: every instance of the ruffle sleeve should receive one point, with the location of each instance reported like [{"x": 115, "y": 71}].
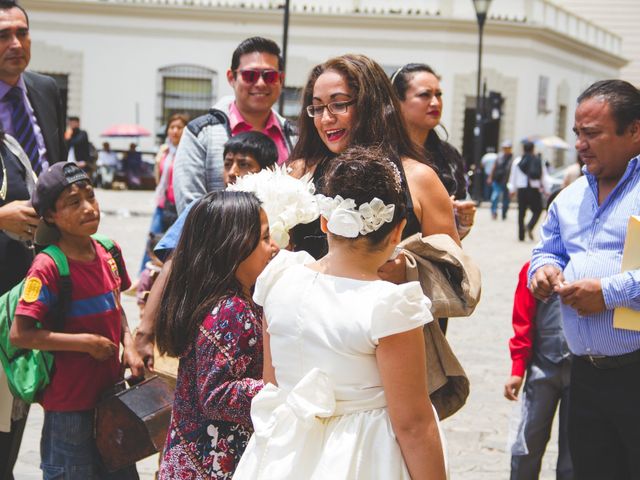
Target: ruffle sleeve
[
  {"x": 401, "y": 309},
  {"x": 274, "y": 271}
]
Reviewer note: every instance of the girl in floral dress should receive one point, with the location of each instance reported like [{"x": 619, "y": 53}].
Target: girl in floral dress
[{"x": 207, "y": 318}]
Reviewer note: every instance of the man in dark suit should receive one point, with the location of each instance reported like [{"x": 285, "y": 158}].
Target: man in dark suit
[
  {"x": 44, "y": 96},
  {"x": 31, "y": 112},
  {"x": 36, "y": 94}
]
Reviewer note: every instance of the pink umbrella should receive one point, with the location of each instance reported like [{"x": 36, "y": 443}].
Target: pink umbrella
[{"x": 126, "y": 130}]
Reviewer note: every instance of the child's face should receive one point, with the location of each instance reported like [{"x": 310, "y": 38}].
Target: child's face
[
  {"x": 77, "y": 212},
  {"x": 238, "y": 164},
  {"x": 254, "y": 264}
]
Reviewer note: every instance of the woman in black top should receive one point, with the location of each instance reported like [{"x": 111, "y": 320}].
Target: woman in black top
[
  {"x": 418, "y": 88},
  {"x": 347, "y": 101}
]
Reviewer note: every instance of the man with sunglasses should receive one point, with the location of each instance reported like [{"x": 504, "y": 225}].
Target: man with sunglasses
[{"x": 256, "y": 78}]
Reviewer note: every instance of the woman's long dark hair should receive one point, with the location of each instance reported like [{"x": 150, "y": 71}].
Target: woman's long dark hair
[
  {"x": 221, "y": 231},
  {"x": 445, "y": 158},
  {"x": 379, "y": 121}
]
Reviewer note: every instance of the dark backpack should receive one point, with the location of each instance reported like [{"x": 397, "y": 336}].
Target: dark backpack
[
  {"x": 503, "y": 167},
  {"x": 531, "y": 166},
  {"x": 29, "y": 371}
]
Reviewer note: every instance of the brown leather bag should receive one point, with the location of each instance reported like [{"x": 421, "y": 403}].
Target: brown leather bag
[{"x": 132, "y": 423}]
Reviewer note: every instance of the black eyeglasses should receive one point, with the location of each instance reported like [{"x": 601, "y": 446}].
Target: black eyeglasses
[
  {"x": 335, "y": 108},
  {"x": 251, "y": 75}
]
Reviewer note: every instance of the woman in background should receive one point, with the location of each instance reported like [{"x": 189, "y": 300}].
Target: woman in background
[{"x": 418, "y": 88}]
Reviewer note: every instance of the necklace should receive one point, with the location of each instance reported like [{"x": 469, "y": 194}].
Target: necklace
[{"x": 3, "y": 189}]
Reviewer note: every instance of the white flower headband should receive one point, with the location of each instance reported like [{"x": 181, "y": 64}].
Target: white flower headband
[{"x": 344, "y": 219}]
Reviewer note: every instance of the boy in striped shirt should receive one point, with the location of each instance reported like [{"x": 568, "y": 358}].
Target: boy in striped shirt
[{"x": 86, "y": 341}]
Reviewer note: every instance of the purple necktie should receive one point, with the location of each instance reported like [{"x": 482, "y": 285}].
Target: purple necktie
[{"x": 22, "y": 127}]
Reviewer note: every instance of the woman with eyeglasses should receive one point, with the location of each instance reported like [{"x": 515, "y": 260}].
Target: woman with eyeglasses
[
  {"x": 349, "y": 101},
  {"x": 418, "y": 88}
]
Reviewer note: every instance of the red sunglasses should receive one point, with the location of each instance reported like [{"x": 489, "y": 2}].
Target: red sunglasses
[{"x": 251, "y": 75}]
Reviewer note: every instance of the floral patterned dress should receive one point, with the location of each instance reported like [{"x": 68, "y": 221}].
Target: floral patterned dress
[{"x": 217, "y": 379}]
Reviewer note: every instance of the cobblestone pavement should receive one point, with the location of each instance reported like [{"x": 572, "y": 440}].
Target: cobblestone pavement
[{"x": 477, "y": 435}]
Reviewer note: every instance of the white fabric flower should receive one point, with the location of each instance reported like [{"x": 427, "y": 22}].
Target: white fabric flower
[
  {"x": 375, "y": 214},
  {"x": 286, "y": 200},
  {"x": 279, "y": 234},
  {"x": 344, "y": 219},
  {"x": 345, "y": 222}
]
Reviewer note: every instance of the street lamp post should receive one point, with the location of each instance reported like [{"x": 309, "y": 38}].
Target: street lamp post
[
  {"x": 285, "y": 42},
  {"x": 481, "y": 7}
]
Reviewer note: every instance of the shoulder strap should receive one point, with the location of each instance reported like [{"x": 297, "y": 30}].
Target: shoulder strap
[
  {"x": 106, "y": 242},
  {"x": 213, "y": 117},
  {"x": 64, "y": 284},
  {"x": 113, "y": 250}
]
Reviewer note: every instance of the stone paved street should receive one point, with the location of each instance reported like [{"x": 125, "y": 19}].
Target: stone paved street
[{"x": 477, "y": 435}]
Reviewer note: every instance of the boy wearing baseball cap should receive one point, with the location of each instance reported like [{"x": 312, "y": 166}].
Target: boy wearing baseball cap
[{"x": 85, "y": 340}]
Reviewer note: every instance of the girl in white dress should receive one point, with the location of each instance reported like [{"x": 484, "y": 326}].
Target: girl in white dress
[{"x": 344, "y": 361}]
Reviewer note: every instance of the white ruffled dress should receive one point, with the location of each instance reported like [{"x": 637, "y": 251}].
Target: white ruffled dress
[{"x": 327, "y": 419}]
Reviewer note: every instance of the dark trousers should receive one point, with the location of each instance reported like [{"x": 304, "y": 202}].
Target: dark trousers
[
  {"x": 10, "y": 447},
  {"x": 528, "y": 199},
  {"x": 604, "y": 422}
]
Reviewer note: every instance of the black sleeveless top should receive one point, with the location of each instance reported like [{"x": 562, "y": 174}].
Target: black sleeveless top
[
  {"x": 311, "y": 239},
  {"x": 413, "y": 224}
]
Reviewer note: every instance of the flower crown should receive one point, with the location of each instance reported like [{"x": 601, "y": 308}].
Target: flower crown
[{"x": 344, "y": 219}]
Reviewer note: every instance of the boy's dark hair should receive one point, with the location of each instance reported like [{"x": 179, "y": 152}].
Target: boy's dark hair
[
  {"x": 256, "y": 144},
  {"x": 363, "y": 173},
  {"x": 9, "y": 4},
  {"x": 74, "y": 119},
  {"x": 622, "y": 97},
  {"x": 255, "y": 44},
  {"x": 528, "y": 147},
  {"x": 221, "y": 231}
]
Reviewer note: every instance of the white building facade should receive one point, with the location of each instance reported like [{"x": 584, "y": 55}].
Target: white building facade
[
  {"x": 620, "y": 17},
  {"x": 123, "y": 61}
]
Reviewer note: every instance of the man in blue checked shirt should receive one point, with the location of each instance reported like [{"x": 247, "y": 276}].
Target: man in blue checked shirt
[{"x": 579, "y": 258}]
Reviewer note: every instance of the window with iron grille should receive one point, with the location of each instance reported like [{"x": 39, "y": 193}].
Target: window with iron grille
[{"x": 187, "y": 89}]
